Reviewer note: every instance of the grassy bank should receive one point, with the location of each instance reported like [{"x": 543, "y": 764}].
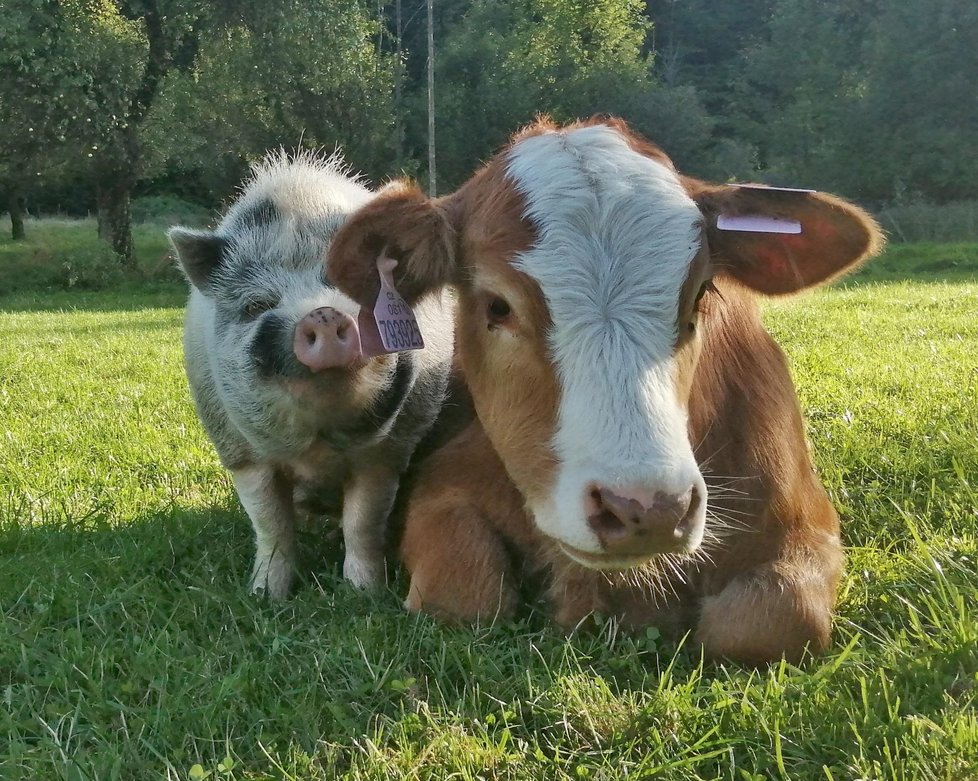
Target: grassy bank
[
  {"x": 67, "y": 254},
  {"x": 129, "y": 648}
]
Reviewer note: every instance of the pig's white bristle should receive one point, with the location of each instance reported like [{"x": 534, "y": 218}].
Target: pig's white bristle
[
  {"x": 286, "y": 161},
  {"x": 310, "y": 184}
]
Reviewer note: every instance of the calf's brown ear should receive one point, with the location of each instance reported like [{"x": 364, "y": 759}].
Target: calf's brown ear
[
  {"x": 835, "y": 236},
  {"x": 408, "y": 226}
]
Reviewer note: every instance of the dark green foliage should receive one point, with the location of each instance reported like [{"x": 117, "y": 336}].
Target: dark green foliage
[
  {"x": 566, "y": 60},
  {"x": 874, "y": 100}
]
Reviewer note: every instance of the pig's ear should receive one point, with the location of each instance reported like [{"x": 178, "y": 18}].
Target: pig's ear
[
  {"x": 410, "y": 227},
  {"x": 831, "y": 235},
  {"x": 199, "y": 253}
]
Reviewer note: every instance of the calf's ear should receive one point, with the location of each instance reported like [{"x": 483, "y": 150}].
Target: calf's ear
[
  {"x": 832, "y": 238},
  {"x": 405, "y": 224},
  {"x": 199, "y": 254}
]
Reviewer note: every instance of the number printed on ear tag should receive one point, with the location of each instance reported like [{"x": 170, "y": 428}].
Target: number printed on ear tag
[{"x": 396, "y": 324}]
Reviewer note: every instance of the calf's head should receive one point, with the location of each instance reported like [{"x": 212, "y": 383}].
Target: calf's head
[{"x": 580, "y": 259}]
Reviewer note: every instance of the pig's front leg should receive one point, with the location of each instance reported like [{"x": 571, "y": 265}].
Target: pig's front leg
[
  {"x": 267, "y": 498},
  {"x": 367, "y": 501}
]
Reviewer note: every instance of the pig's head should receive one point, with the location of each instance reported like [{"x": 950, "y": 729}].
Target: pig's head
[
  {"x": 281, "y": 333},
  {"x": 580, "y": 257}
]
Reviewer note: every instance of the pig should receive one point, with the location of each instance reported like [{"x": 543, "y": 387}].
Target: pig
[{"x": 298, "y": 414}]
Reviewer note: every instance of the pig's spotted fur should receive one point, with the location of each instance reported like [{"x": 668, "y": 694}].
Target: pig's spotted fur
[
  {"x": 281, "y": 429},
  {"x": 288, "y": 210}
]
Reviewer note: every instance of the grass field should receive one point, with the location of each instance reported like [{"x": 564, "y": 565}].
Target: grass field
[{"x": 130, "y": 649}]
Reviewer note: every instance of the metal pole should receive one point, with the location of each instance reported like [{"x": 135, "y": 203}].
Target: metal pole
[
  {"x": 432, "y": 188},
  {"x": 398, "y": 81}
]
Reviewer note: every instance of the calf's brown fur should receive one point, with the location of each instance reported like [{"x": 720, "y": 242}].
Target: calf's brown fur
[{"x": 765, "y": 585}]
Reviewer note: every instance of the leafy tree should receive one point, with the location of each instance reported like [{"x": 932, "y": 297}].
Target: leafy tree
[
  {"x": 295, "y": 73},
  {"x": 676, "y": 119},
  {"x": 501, "y": 63},
  {"x": 322, "y": 80},
  {"x": 139, "y": 43},
  {"x": 700, "y": 43},
  {"x": 797, "y": 101},
  {"x": 873, "y": 98},
  {"x": 44, "y": 70},
  {"x": 916, "y": 123},
  {"x": 870, "y": 97}
]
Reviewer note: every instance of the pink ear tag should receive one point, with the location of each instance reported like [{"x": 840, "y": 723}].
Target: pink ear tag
[
  {"x": 392, "y": 328},
  {"x": 756, "y": 223},
  {"x": 759, "y": 223}
]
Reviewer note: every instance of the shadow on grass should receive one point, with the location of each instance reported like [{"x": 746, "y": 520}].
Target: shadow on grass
[{"x": 177, "y": 544}]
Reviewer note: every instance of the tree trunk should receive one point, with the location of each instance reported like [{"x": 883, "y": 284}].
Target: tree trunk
[
  {"x": 115, "y": 220},
  {"x": 15, "y": 203}
]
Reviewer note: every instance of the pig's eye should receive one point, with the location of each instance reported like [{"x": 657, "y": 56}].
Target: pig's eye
[
  {"x": 256, "y": 308},
  {"x": 497, "y": 312}
]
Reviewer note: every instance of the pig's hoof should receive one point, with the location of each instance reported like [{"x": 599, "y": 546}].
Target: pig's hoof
[
  {"x": 272, "y": 578},
  {"x": 363, "y": 572}
]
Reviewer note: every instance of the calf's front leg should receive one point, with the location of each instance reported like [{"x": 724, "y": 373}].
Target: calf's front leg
[
  {"x": 776, "y": 609},
  {"x": 465, "y": 524},
  {"x": 458, "y": 564}
]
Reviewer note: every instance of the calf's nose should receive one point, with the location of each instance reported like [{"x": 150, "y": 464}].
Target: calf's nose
[
  {"x": 326, "y": 338},
  {"x": 639, "y": 523}
]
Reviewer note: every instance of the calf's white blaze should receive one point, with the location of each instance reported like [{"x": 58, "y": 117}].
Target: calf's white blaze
[{"x": 616, "y": 235}]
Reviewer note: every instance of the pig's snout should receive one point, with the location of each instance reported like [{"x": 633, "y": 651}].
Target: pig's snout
[{"x": 327, "y": 339}]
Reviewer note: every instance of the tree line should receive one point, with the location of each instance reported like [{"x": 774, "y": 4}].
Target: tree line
[{"x": 101, "y": 99}]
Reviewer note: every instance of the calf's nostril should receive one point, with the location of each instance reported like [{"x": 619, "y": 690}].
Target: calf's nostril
[
  {"x": 688, "y": 519},
  {"x": 606, "y": 525}
]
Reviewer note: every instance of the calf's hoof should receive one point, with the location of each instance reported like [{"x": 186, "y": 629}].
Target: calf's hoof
[{"x": 759, "y": 619}]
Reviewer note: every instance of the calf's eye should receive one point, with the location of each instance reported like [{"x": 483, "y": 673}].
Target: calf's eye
[
  {"x": 706, "y": 287},
  {"x": 497, "y": 311}
]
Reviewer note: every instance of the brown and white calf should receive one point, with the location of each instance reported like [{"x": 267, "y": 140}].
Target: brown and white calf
[{"x": 638, "y": 437}]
